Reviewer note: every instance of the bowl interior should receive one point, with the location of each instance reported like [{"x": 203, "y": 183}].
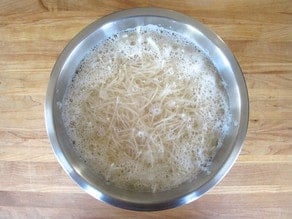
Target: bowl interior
[{"x": 221, "y": 57}]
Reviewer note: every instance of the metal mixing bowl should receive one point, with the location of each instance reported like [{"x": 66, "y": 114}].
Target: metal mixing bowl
[{"x": 221, "y": 57}]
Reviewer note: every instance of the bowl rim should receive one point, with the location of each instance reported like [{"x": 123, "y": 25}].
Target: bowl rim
[{"x": 49, "y": 118}]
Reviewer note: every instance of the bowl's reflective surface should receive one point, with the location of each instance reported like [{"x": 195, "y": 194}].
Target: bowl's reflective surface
[{"x": 222, "y": 58}]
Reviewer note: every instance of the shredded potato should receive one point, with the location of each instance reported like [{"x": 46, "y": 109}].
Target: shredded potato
[{"x": 146, "y": 110}]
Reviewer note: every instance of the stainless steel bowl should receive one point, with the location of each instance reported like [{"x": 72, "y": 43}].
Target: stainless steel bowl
[{"x": 69, "y": 61}]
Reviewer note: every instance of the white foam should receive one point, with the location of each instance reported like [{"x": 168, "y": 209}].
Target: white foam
[{"x": 146, "y": 109}]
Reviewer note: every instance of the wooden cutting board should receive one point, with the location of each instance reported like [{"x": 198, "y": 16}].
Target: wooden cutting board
[{"x": 32, "y": 35}]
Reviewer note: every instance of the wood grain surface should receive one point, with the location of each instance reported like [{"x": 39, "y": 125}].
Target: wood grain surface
[{"x": 32, "y": 35}]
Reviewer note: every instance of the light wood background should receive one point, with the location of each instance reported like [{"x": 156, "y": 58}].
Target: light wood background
[{"x": 32, "y": 35}]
